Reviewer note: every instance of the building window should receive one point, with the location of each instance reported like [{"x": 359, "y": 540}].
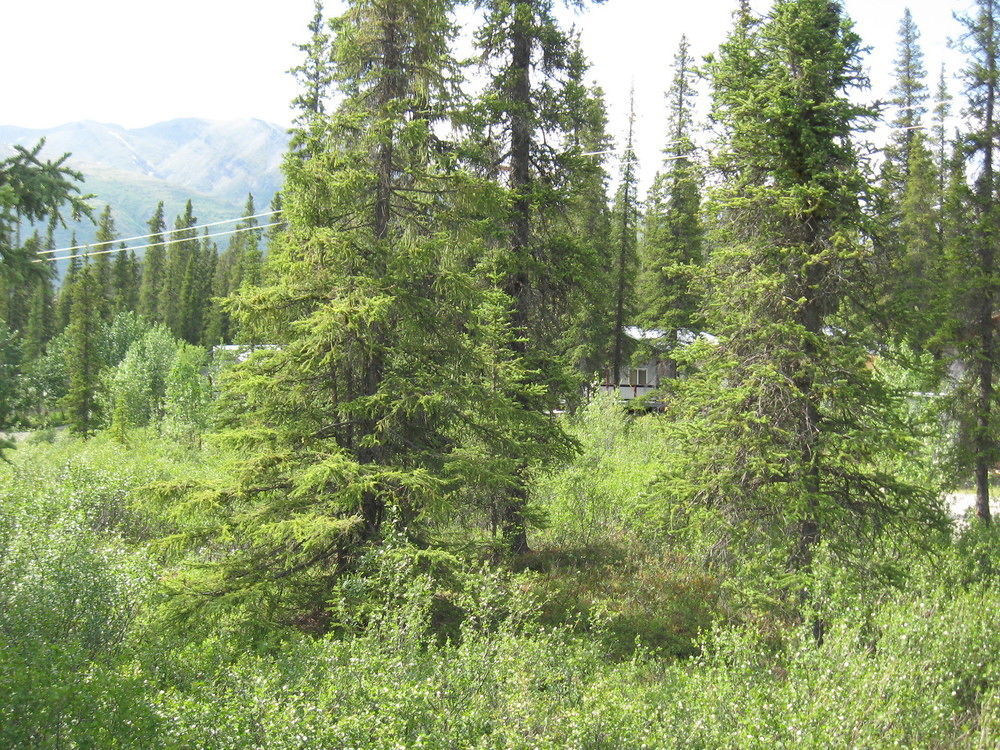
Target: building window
[{"x": 637, "y": 376}]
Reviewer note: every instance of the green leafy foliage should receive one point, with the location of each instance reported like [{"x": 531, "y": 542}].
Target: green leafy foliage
[
  {"x": 137, "y": 386},
  {"x": 320, "y": 538},
  {"x": 187, "y": 395}
]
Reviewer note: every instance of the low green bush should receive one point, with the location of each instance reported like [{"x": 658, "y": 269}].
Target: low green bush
[{"x": 420, "y": 649}]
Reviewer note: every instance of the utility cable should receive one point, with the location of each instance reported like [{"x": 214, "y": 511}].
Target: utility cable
[
  {"x": 155, "y": 244},
  {"x": 166, "y": 232}
]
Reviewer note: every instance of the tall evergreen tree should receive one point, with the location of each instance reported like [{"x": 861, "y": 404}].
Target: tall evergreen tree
[
  {"x": 672, "y": 234},
  {"x": 16, "y": 290},
  {"x": 183, "y": 246},
  {"x": 790, "y": 421},
  {"x": 240, "y": 264},
  {"x": 942, "y": 109},
  {"x": 381, "y": 390},
  {"x": 153, "y": 266},
  {"x": 250, "y": 254},
  {"x": 40, "y": 323},
  {"x": 981, "y": 42},
  {"x": 590, "y": 218},
  {"x": 624, "y": 259},
  {"x": 83, "y": 356},
  {"x": 524, "y": 114},
  {"x": 276, "y": 219},
  {"x": 64, "y": 302},
  {"x": 190, "y": 297},
  {"x": 909, "y": 98},
  {"x": 134, "y": 282},
  {"x": 209, "y": 264},
  {"x": 314, "y": 74},
  {"x": 121, "y": 281},
  {"x": 102, "y": 248},
  {"x": 217, "y": 320},
  {"x": 917, "y": 276}
]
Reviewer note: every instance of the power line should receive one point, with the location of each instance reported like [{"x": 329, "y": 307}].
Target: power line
[
  {"x": 168, "y": 232},
  {"x": 155, "y": 244}
]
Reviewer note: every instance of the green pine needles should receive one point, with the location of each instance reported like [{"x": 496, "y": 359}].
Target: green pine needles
[
  {"x": 790, "y": 428},
  {"x": 386, "y": 392}
]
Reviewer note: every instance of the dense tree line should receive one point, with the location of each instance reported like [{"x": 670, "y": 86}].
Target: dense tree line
[
  {"x": 452, "y": 272},
  {"x": 180, "y": 282}
]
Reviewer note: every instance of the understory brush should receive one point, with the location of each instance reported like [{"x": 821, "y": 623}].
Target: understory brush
[
  {"x": 925, "y": 676},
  {"x": 609, "y": 488},
  {"x": 71, "y": 591},
  {"x": 577, "y": 648}
]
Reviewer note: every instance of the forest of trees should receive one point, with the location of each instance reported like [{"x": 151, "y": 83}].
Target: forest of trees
[{"x": 351, "y": 481}]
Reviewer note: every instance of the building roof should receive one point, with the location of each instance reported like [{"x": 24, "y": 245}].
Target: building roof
[{"x": 684, "y": 336}]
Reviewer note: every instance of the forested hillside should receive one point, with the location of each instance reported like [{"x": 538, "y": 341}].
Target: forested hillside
[
  {"x": 467, "y": 440},
  {"x": 215, "y": 164}
]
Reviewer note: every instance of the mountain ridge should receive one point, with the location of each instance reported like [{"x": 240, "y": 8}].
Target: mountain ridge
[{"x": 214, "y": 163}]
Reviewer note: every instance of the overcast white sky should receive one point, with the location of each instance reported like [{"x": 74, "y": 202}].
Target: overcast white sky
[{"x": 136, "y": 62}]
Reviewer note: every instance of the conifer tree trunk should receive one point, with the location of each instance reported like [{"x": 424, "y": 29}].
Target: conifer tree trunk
[
  {"x": 983, "y": 81},
  {"x": 812, "y": 321},
  {"x": 390, "y": 88},
  {"x": 672, "y": 237},
  {"x": 513, "y": 521},
  {"x": 625, "y": 262},
  {"x": 618, "y": 354},
  {"x": 985, "y": 442},
  {"x": 525, "y": 129}
]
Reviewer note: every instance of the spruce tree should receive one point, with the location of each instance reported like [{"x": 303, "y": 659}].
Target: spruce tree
[
  {"x": 83, "y": 355},
  {"x": 153, "y": 265},
  {"x": 134, "y": 282},
  {"x": 217, "y": 320},
  {"x": 239, "y": 264},
  {"x": 250, "y": 256},
  {"x": 34, "y": 190},
  {"x": 183, "y": 245},
  {"x": 40, "y": 324},
  {"x": 102, "y": 248},
  {"x": 671, "y": 249},
  {"x": 909, "y": 98},
  {"x": 16, "y": 289},
  {"x": 624, "y": 259},
  {"x": 942, "y": 109},
  {"x": 314, "y": 74},
  {"x": 65, "y": 300},
  {"x": 524, "y": 112},
  {"x": 981, "y": 43},
  {"x": 380, "y": 389},
  {"x": 917, "y": 275},
  {"x": 209, "y": 263},
  {"x": 189, "y": 309},
  {"x": 122, "y": 281},
  {"x": 791, "y": 428},
  {"x": 956, "y": 338},
  {"x": 279, "y": 226},
  {"x": 589, "y": 332}
]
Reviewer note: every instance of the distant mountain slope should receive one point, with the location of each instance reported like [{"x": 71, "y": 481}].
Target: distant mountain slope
[
  {"x": 213, "y": 163},
  {"x": 221, "y": 159},
  {"x": 133, "y": 198},
  {"x": 224, "y": 160}
]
